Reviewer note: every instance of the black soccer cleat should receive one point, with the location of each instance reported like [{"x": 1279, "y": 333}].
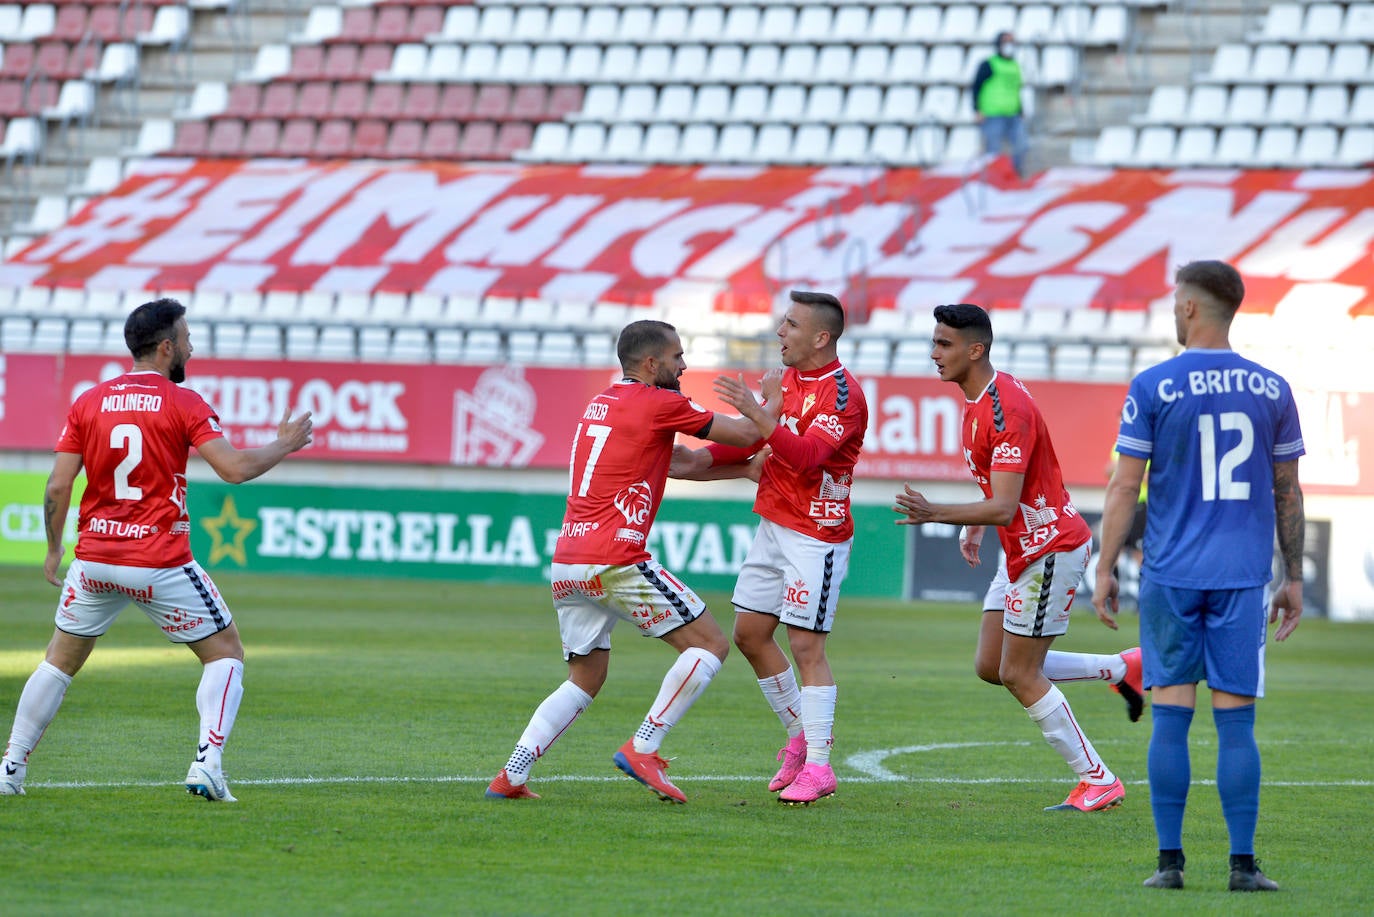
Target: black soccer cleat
[
  {"x": 1170, "y": 871},
  {"x": 1246, "y": 876}
]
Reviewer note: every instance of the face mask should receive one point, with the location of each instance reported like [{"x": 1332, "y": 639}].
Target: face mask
[{"x": 1006, "y": 48}]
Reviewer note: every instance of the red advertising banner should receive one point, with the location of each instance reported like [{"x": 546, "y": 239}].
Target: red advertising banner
[
  {"x": 727, "y": 237},
  {"x": 519, "y": 417}
]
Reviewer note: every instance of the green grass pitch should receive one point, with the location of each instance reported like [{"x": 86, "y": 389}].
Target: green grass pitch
[{"x": 376, "y": 712}]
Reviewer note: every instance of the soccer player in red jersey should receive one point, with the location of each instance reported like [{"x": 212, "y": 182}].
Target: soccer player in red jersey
[
  {"x": 132, "y": 435},
  {"x": 602, "y": 570},
  {"x": 1045, "y": 541},
  {"x": 813, "y": 421}
]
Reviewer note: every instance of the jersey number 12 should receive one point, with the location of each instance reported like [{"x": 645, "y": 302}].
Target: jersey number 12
[{"x": 1217, "y": 480}]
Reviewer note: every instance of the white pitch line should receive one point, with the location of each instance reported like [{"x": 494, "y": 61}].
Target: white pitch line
[{"x": 686, "y": 779}]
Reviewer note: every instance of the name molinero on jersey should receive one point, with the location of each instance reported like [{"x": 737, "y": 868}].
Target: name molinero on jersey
[
  {"x": 134, "y": 434},
  {"x": 1212, "y": 424}
]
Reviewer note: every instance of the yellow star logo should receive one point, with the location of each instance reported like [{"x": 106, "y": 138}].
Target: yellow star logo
[{"x": 239, "y": 529}]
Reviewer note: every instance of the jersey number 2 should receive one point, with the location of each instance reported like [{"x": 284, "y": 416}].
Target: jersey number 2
[
  {"x": 1217, "y": 480},
  {"x": 127, "y": 436}
]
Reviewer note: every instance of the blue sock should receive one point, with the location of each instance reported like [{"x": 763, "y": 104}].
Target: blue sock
[
  {"x": 1170, "y": 771},
  {"x": 1238, "y": 775}
]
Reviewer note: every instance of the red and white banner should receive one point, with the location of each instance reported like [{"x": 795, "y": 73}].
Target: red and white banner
[
  {"x": 509, "y": 416},
  {"x": 722, "y": 237}
]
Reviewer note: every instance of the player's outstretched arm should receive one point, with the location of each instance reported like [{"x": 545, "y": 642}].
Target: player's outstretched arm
[
  {"x": 239, "y": 465},
  {"x": 700, "y": 465},
  {"x": 57, "y": 500}
]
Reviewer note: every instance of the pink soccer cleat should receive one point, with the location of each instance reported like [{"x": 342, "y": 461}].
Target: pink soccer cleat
[
  {"x": 816, "y": 781},
  {"x": 502, "y": 788},
  {"x": 1089, "y": 797},
  {"x": 793, "y": 758}
]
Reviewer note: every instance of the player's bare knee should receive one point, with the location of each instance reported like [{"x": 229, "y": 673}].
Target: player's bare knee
[{"x": 987, "y": 671}]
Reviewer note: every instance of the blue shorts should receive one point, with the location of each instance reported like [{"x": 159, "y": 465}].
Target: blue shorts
[{"x": 1212, "y": 635}]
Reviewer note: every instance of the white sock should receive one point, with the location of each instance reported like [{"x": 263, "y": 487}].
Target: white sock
[
  {"x": 38, "y": 704},
  {"x": 1052, "y": 714},
  {"x": 1065, "y": 667},
  {"x": 689, "y": 676},
  {"x": 551, "y": 718},
  {"x": 784, "y": 697},
  {"x": 818, "y": 721},
  {"x": 217, "y": 700}
]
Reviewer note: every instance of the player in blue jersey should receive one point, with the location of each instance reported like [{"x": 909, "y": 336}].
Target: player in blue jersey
[{"x": 1221, "y": 436}]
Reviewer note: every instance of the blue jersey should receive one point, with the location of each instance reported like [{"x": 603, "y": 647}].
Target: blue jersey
[{"x": 1212, "y": 424}]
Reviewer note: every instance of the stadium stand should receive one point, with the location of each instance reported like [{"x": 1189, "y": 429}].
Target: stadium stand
[{"x": 88, "y": 88}]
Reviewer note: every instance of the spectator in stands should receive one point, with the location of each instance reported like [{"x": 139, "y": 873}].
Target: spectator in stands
[
  {"x": 603, "y": 572},
  {"x": 997, "y": 103},
  {"x": 132, "y": 435},
  {"x": 813, "y": 420}
]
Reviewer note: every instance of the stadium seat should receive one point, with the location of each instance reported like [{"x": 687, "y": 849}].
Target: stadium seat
[
  {"x": 1196, "y": 146},
  {"x": 1317, "y": 146},
  {"x": 1247, "y": 105},
  {"x": 1236, "y": 146},
  {"x": 1357, "y": 146},
  {"x": 405, "y": 140},
  {"x": 1350, "y": 63},
  {"x": 1277, "y": 146},
  {"x": 1115, "y": 145},
  {"x": 1167, "y": 105}
]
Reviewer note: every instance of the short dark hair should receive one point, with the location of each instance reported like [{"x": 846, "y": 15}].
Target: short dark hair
[
  {"x": 1218, "y": 280},
  {"x": 969, "y": 319},
  {"x": 640, "y": 339},
  {"x": 826, "y": 306},
  {"x": 151, "y": 324}
]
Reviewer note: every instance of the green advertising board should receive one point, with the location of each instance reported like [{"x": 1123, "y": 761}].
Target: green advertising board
[
  {"x": 22, "y": 539},
  {"x": 487, "y": 536},
  {"x": 491, "y": 536}
]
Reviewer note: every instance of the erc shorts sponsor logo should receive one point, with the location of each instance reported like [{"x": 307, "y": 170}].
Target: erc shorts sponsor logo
[
  {"x": 562, "y": 588},
  {"x": 796, "y": 594}
]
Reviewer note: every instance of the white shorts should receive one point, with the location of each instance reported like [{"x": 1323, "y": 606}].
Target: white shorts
[
  {"x": 591, "y": 598},
  {"x": 794, "y": 577},
  {"x": 1038, "y": 603},
  {"x": 182, "y": 601}
]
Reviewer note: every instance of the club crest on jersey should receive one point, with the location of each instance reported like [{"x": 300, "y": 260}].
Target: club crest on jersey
[{"x": 807, "y": 404}]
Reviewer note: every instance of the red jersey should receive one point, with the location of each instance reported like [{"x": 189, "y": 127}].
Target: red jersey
[
  {"x": 620, "y": 456},
  {"x": 1003, "y": 431},
  {"x": 133, "y": 434},
  {"x": 806, "y": 481}
]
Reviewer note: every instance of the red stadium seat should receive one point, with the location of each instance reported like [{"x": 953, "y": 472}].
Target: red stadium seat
[
  {"x": 70, "y": 24},
  {"x": 52, "y": 58},
  {"x": 297, "y": 138},
  {"x": 441, "y": 140},
  {"x": 19, "y": 60},
  {"x": 226, "y": 137},
  {"x": 456, "y": 101},
  {"x": 341, "y": 62},
  {"x": 392, "y": 24},
  {"x": 104, "y": 23},
  {"x": 425, "y": 21},
  {"x": 369, "y": 138},
  {"x": 422, "y": 101},
  {"x": 263, "y": 138},
  {"x": 314, "y": 101},
  {"x": 493, "y": 102},
  {"x": 12, "y": 99},
  {"x": 335, "y": 139},
  {"x": 192, "y": 139},
  {"x": 307, "y": 63},
  {"x": 375, "y": 58},
  {"x": 514, "y": 135},
  {"x": 244, "y": 101},
  {"x": 358, "y": 24},
  {"x": 350, "y": 101},
  {"x": 564, "y": 100},
  {"x": 530, "y": 103},
  {"x": 385, "y": 101},
  {"x": 479, "y": 140},
  {"x": 405, "y": 140},
  {"x": 278, "y": 101}
]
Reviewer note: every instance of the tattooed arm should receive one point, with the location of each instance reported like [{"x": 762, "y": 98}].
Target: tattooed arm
[
  {"x": 57, "y": 499},
  {"x": 1291, "y": 523}
]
